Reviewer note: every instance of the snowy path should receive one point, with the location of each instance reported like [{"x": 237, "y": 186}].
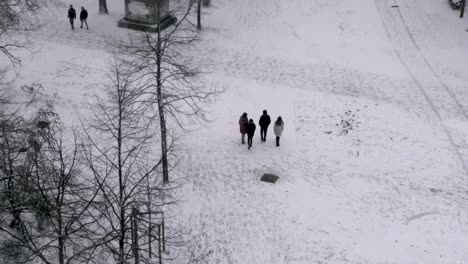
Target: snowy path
[{"x": 441, "y": 98}]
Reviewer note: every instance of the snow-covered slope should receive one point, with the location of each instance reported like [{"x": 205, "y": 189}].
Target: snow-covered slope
[{"x": 373, "y": 158}]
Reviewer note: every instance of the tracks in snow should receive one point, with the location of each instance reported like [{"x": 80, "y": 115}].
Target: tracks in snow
[{"x": 437, "y": 93}]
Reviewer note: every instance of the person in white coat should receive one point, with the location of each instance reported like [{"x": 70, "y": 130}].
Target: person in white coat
[{"x": 278, "y": 129}]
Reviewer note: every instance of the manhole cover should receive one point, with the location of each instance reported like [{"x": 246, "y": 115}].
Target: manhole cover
[{"x": 267, "y": 177}]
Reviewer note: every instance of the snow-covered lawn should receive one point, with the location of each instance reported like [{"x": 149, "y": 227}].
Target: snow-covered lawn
[{"x": 373, "y": 159}]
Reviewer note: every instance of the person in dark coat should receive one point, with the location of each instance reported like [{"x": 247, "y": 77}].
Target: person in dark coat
[
  {"x": 72, "y": 16},
  {"x": 250, "y": 132},
  {"x": 278, "y": 129},
  {"x": 243, "y": 121},
  {"x": 83, "y": 17},
  {"x": 264, "y": 122}
]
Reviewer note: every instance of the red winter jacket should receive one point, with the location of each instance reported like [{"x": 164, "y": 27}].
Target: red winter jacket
[{"x": 243, "y": 121}]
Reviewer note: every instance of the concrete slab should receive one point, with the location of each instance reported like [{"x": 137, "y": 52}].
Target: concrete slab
[{"x": 268, "y": 177}]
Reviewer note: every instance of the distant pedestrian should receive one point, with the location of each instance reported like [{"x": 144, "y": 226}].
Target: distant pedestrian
[
  {"x": 83, "y": 17},
  {"x": 250, "y": 132},
  {"x": 278, "y": 129},
  {"x": 243, "y": 121},
  {"x": 72, "y": 16},
  {"x": 264, "y": 122}
]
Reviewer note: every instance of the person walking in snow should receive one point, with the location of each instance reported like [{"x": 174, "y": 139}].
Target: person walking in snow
[
  {"x": 250, "y": 132},
  {"x": 83, "y": 17},
  {"x": 243, "y": 121},
  {"x": 278, "y": 129},
  {"x": 264, "y": 122},
  {"x": 72, "y": 16}
]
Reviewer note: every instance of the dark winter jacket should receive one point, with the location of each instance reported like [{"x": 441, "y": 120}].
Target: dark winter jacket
[
  {"x": 243, "y": 121},
  {"x": 251, "y": 129},
  {"x": 264, "y": 120},
  {"x": 83, "y": 14},
  {"x": 71, "y": 13}
]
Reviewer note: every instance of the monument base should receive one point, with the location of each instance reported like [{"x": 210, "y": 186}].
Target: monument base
[{"x": 135, "y": 25}]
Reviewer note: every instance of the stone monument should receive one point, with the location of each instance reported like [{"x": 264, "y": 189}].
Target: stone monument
[{"x": 143, "y": 15}]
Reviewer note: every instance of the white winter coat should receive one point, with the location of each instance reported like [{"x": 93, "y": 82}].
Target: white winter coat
[{"x": 278, "y": 129}]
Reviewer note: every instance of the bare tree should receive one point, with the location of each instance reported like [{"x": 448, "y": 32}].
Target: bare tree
[
  {"x": 119, "y": 155},
  {"x": 14, "y": 166},
  {"x": 17, "y": 20},
  {"x": 165, "y": 70},
  {"x": 46, "y": 194},
  {"x": 16, "y": 149}
]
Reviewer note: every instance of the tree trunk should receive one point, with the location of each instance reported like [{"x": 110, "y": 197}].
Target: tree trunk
[
  {"x": 150, "y": 226},
  {"x": 61, "y": 244},
  {"x": 199, "y": 15},
  {"x": 162, "y": 123},
  {"x": 134, "y": 223},
  {"x": 103, "y": 7},
  {"x": 160, "y": 100},
  {"x": 61, "y": 235},
  {"x": 121, "y": 186},
  {"x": 159, "y": 245},
  {"x": 462, "y": 8}
]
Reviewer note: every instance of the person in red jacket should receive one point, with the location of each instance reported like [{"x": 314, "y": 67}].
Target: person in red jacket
[{"x": 243, "y": 121}]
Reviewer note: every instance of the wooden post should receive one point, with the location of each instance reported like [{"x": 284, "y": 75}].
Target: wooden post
[
  {"x": 462, "y": 8},
  {"x": 150, "y": 251},
  {"x": 159, "y": 244},
  {"x": 163, "y": 234},
  {"x": 150, "y": 227},
  {"x": 135, "y": 235},
  {"x": 132, "y": 234}
]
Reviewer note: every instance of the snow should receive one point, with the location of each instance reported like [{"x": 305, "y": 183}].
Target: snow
[{"x": 372, "y": 161}]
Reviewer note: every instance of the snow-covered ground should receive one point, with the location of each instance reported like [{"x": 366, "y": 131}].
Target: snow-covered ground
[{"x": 373, "y": 160}]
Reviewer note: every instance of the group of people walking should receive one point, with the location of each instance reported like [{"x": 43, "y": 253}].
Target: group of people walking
[
  {"x": 248, "y": 127},
  {"x": 72, "y": 17}
]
